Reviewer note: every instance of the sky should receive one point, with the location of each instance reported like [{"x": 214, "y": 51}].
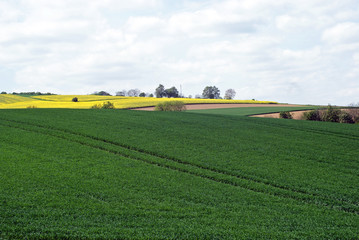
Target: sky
[{"x": 289, "y": 51}]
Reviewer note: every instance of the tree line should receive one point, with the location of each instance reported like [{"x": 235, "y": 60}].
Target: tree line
[
  {"x": 29, "y": 93},
  {"x": 209, "y": 92}
]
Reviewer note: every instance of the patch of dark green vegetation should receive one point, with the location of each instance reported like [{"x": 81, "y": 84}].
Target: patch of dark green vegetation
[
  {"x": 334, "y": 114},
  {"x": 104, "y": 105},
  {"x": 176, "y": 106},
  {"x": 121, "y": 174},
  {"x": 285, "y": 115},
  {"x": 28, "y": 94}
]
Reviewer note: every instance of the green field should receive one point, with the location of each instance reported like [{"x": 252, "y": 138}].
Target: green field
[
  {"x": 246, "y": 111},
  {"x": 121, "y": 174}
]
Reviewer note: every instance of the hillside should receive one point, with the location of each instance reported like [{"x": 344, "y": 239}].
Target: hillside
[{"x": 114, "y": 174}]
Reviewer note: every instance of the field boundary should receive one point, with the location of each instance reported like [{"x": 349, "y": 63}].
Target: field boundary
[{"x": 202, "y": 106}]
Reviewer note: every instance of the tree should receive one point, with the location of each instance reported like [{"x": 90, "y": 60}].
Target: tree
[
  {"x": 142, "y": 94},
  {"x": 102, "y": 93},
  {"x": 133, "y": 92},
  {"x": 151, "y": 95},
  {"x": 211, "y": 92},
  {"x": 171, "y": 92},
  {"x": 160, "y": 91},
  {"x": 121, "y": 93},
  {"x": 230, "y": 93},
  {"x": 3, "y": 93}
]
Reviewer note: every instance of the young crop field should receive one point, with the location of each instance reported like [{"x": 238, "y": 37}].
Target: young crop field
[
  {"x": 121, "y": 174},
  {"x": 247, "y": 111},
  {"x": 8, "y": 101}
]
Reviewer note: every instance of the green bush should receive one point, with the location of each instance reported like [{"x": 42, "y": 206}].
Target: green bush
[
  {"x": 171, "y": 106},
  {"x": 312, "y": 115},
  {"x": 331, "y": 114},
  {"x": 108, "y": 105},
  {"x": 75, "y": 99},
  {"x": 31, "y": 107},
  {"x": 105, "y": 105},
  {"x": 286, "y": 115},
  {"x": 96, "y": 106}
]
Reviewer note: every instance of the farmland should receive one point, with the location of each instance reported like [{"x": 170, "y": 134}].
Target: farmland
[
  {"x": 80, "y": 173},
  {"x": 8, "y": 101},
  {"x": 252, "y": 110}
]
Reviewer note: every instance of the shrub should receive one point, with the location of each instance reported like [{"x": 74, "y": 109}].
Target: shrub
[
  {"x": 105, "y": 105},
  {"x": 286, "y": 115},
  {"x": 345, "y": 117},
  {"x": 171, "y": 106},
  {"x": 75, "y": 99},
  {"x": 331, "y": 114},
  {"x": 354, "y": 111},
  {"x": 108, "y": 105},
  {"x": 96, "y": 106},
  {"x": 312, "y": 115},
  {"x": 31, "y": 107}
]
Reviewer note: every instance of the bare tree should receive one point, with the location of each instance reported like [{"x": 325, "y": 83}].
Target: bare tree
[
  {"x": 230, "y": 94},
  {"x": 133, "y": 92}
]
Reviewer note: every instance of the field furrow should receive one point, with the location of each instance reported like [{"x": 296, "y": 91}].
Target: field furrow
[{"x": 217, "y": 175}]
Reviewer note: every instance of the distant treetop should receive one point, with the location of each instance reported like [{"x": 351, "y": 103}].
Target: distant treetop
[
  {"x": 33, "y": 93},
  {"x": 102, "y": 93}
]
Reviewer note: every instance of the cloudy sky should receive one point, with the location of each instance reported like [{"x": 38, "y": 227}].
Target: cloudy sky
[{"x": 292, "y": 51}]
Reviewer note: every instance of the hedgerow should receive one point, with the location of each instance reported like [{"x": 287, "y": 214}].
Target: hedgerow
[
  {"x": 177, "y": 106},
  {"x": 105, "y": 105},
  {"x": 285, "y": 115},
  {"x": 332, "y": 114}
]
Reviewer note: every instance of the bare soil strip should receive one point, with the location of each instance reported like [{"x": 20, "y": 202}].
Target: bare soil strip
[
  {"x": 215, "y": 106},
  {"x": 295, "y": 114}
]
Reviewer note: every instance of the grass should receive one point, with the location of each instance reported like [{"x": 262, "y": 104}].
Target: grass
[
  {"x": 246, "y": 111},
  {"x": 159, "y": 175}
]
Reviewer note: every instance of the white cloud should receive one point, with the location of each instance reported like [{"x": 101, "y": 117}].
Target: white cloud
[
  {"x": 276, "y": 50},
  {"x": 342, "y": 33}
]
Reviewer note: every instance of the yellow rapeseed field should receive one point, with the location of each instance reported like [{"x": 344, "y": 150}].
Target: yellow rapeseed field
[{"x": 8, "y": 101}]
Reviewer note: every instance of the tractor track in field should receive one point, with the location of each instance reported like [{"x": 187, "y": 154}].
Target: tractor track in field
[
  {"x": 324, "y": 132},
  {"x": 313, "y": 131},
  {"x": 328, "y": 133},
  {"x": 212, "y": 174}
]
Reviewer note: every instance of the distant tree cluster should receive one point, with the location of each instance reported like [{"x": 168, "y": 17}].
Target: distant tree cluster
[
  {"x": 30, "y": 93},
  {"x": 161, "y": 92},
  {"x": 102, "y": 93},
  {"x": 133, "y": 93},
  {"x": 209, "y": 92}
]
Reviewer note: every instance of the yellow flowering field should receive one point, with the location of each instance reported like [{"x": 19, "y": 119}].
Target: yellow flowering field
[{"x": 8, "y": 101}]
